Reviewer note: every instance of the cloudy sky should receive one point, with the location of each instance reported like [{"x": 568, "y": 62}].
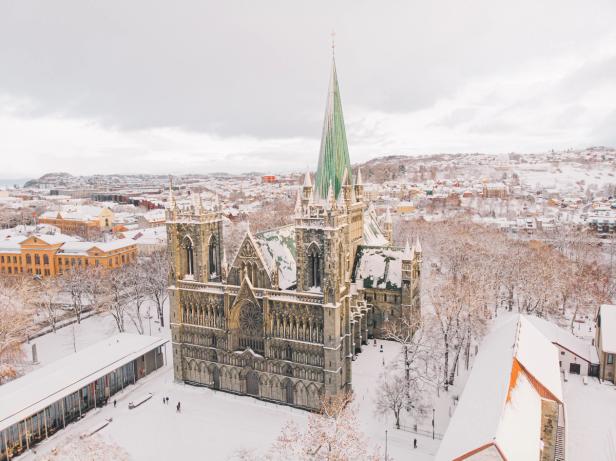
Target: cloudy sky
[{"x": 146, "y": 86}]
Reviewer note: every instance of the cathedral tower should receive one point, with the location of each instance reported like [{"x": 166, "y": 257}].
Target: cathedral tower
[
  {"x": 327, "y": 232},
  {"x": 282, "y": 318}
]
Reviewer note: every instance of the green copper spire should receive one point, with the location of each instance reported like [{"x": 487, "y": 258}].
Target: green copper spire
[{"x": 334, "y": 153}]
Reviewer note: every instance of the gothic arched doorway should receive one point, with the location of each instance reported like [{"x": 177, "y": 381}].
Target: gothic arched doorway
[
  {"x": 216, "y": 378},
  {"x": 252, "y": 383},
  {"x": 289, "y": 391}
]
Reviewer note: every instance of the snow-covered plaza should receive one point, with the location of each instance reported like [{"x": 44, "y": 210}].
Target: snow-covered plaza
[{"x": 225, "y": 426}]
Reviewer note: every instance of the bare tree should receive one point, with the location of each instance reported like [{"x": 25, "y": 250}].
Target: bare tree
[
  {"x": 49, "y": 289},
  {"x": 95, "y": 288},
  {"x": 137, "y": 292},
  {"x": 74, "y": 283},
  {"x": 392, "y": 395},
  {"x": 157, "y": 280},
  {"x": 408, "y": 332},
  {"x": 119, "y": 296}
]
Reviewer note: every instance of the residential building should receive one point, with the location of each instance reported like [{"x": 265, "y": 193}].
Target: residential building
[
  {"x": 575, "y": 355},
  {"x": 494, "y": 190},
  {"x": 148, "y": 240},
  {"x": 605, "y": 340},
  {"x": 82, "y": 220}
]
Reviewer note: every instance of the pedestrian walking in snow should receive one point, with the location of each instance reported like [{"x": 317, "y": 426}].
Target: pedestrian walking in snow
[
  {"x": 163, "y": 400},
  {"x": 114, "y": 404},
  {"x": 178, "y": 408},
  {"x": 167, "y": 400},
  {"x": 414, "y": 443},
  {"x": 381, "y": 348}
]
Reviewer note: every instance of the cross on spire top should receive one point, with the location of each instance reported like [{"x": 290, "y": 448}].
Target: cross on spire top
[{"x": 333, "y": 34}]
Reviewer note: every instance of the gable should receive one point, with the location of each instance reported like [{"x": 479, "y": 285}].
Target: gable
[
  {"x": 245, "y": 294},
  {"x": 248, "y": 250}
]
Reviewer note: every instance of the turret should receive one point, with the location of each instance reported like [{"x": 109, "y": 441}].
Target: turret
[
  {"x": 388, "y": 227},
  {"x": 172, "y": 209},
  {"x": 224, "y": 266},
  {"x": 307, "y": 190},
  {"x": 347, "y": 189},
  {"x": 359, "y": 186},
  {"x": 298, "y": 204},
  {"x": 275, "y": 276},
  {"x": 410, "y": 284}
]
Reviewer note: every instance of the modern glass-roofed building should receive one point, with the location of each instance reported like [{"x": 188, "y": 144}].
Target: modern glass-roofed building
[{"x": 44, "y": 401}]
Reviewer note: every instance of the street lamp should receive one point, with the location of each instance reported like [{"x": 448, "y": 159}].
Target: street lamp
[
  {"x": 433, "y": 424},
  {"x": 385, "y": 444}
]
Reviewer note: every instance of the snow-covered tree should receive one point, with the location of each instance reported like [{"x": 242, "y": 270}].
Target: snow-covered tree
[
  {"x": 157, "y": 280},
  {"x": 117, "y": 282},
  {"x": 16, "y": 323},
  {"x": 49, "y": 289},
  {"x": 333, "y": 434},
  {"x": 74, "y": 283},
  {"x": 392, "y": 395},
  {"x": 92, "y": 448},
  {"x": 137, "y": 293}
]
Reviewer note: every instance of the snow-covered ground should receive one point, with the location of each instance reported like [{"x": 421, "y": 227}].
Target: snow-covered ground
[
  {"x": 217, "y": 424},
  {"x": 214, "y": 424},
  {"x": 75, "y": 337},
  {"x": 590, "y": 419}
]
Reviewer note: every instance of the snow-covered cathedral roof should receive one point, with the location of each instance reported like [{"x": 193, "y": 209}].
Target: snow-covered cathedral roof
[
  {"x": 373, "y": 235},
  {"x": 278, "y": 246},
  {"x": 379, "y": 267}
]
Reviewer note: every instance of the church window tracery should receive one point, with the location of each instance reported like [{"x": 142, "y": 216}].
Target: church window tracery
[
  {"x": 213, "y": 252},
  {"x": 188, "y": 248},
  {"x": 314, "y": 266}
]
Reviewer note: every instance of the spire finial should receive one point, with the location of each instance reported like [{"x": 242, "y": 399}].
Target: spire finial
[
  {"x": 408, "y": 253},
  {"x": 171, "y": 197},
  {"x": 333, "y": 34},
  {"x": 298, "y": 204}
]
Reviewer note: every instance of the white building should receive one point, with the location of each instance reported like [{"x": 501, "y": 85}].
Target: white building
[
  {"x": 574, "y": 355},
  {"x": 512, "y": 406}
]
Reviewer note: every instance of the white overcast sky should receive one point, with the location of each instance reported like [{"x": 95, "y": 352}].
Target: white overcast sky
[{"x": 146, "y": 86}]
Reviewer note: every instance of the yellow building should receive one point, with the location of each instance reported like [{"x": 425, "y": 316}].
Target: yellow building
[
  {"x": 50, "y": 255},
  {"x": 406, "y": 207},
  {"x": 80, "y": 220}
]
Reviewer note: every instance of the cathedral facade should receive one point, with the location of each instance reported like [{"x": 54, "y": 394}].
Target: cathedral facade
[{"x": 283, "y": 320}]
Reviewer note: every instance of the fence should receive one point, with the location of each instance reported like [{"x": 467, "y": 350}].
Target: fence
[{"x": 419, "y": 431}]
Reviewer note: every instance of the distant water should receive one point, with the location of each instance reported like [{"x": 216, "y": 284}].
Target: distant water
[{"x": 10, "y": 182}]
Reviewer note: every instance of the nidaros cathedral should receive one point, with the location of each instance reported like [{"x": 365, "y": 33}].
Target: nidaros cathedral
[{"x": 283, "y": 321}]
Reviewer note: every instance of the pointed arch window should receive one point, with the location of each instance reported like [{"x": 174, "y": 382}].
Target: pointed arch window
[
  {"x": 314, "y": 266},
  {"x": 213, "y": 263},
  {"x": 188, "y": 248},
  {"x": 341, "y": 262}
]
